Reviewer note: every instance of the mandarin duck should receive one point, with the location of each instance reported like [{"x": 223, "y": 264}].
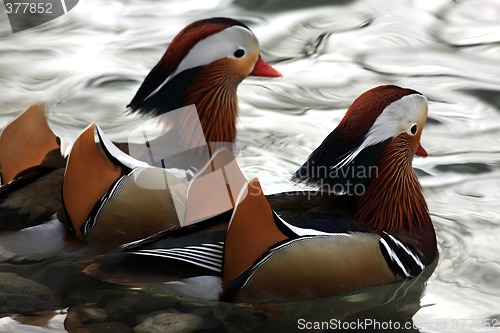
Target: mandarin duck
[
  {"x": 202, "y": 66},
  {"x": 363, "y": 223}
]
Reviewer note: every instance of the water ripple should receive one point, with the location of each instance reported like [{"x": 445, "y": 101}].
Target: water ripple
[{"x": 471, "y": 23}]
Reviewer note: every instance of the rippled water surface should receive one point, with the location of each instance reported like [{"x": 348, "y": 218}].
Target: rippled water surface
[{"x": 87, "y": 64}]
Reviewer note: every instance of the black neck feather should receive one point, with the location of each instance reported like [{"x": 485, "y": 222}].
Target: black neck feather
[
  {"x": 170, "y": 97},
  {"x": 320, "y": 168}
]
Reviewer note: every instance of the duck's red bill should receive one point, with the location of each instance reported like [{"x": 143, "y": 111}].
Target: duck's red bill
[
  {"x": 262, "y": 68},
  {"x": 421, "y": 151}
]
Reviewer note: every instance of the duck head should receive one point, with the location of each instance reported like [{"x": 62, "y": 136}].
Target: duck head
[
  {"x": 369, "y": 157},
  {"x": 204, "y": 65}
]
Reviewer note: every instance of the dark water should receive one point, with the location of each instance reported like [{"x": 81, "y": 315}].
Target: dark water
[{"x": 87, "y": 64}]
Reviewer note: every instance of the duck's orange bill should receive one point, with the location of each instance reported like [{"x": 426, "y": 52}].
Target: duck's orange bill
[
  {"x": 262, "y": 68},
  {"x": 421, "y": 151}
]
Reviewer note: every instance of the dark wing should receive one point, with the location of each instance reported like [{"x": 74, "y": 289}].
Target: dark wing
[
  {"x": 34, "y": 195},
  {"x": 320, "y": 211},
  {"x": 170, "y": 255}
]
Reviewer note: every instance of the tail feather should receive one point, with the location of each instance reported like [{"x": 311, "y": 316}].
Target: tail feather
[
  {"x": 25, "y": 142},
  {"x": 89, "y": 174}
]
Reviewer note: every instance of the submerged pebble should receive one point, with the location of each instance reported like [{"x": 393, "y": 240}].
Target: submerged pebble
[
  {"x": 170, "y": 322},
  {"x": 18, "y": 294}
]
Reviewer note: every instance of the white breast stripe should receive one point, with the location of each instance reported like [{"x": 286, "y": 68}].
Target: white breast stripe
[
  {"x": 307, "y": 232},
  {"x": 394, "y": 257},
  {"x": 417, "y": 260}
]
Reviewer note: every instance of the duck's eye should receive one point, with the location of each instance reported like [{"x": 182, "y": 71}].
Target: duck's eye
[
  {"x": 239, "y": 53},
  {"x": 413, "y": 129}
]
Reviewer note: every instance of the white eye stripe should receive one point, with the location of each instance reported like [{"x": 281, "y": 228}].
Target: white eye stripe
[
  {"x": 217, "y": 46},
  {"x": 398, "y": 116},
  {"x": 395, "y": 119}
]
